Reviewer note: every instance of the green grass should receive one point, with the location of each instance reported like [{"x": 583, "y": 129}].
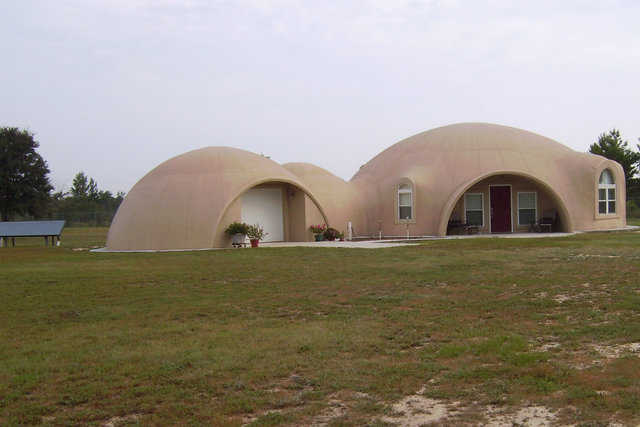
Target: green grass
[{"x": 271, "y": 335}]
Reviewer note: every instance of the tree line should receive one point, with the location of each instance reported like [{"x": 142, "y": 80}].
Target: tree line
[
  {"x": 26, "y": 192},
  {"x": 85, "y": 203}
]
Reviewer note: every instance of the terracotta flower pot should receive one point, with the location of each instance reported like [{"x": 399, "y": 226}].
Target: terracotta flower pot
[{"x": 254, "y": 243}]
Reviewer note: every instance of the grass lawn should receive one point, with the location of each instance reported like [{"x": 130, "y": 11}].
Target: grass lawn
[{"x": 289, "y": 335}]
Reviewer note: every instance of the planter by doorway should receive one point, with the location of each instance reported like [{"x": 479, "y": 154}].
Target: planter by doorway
[
  {"x": 254, "y": 243},
  {"x": 237, "y": 239},
  {"x": 319, "y": 237}
]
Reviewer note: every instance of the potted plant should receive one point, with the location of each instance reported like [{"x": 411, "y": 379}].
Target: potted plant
[
  {"x": 238, "y": 232},
  {"x": 331, "y": 234},
  {"x": 256, "y": 233},
  {"x": 318, "y": 231},
  {"x": 341, "y": 236}
]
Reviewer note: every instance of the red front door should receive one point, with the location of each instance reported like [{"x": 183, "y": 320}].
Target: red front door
[{"x": 500, "y": 209}]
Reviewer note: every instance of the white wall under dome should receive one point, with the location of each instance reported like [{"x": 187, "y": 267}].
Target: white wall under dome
[{"x": 264, "y": 206}]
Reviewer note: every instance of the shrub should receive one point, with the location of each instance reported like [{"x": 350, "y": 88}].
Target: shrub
[{"x": 237, "y": 228}]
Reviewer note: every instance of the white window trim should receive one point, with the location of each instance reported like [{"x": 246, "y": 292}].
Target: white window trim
[
  {"x": 606, "y": 188},
  {"x": 535, "y": 193},
  {"x": 398, "y": 205},
  {"x": 475, "y": 210}
]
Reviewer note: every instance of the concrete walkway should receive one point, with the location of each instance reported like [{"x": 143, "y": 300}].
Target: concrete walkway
[
  {"x": 364, "y": 244},
  {"x": 390, "y": 243}
]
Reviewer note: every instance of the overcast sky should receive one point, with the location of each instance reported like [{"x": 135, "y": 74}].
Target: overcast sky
[{"x": 116, "y": 87}]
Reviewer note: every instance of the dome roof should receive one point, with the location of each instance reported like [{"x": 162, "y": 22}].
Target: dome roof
[
  {"x": 468, "y": 144},
  {"x": 182, "y": 203},
  {"x": 336, "y": 196},
  {"x": 444, "y": 162},
  {"x": 179, "y": 204}
]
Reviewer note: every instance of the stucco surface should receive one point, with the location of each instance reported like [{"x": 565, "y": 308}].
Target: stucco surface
[
  {"x": 340, "y": 200},
  {"x": 445, "y": 162},
  {"x": 180, "y": 203},
  {"x": 187, "y": 201}
]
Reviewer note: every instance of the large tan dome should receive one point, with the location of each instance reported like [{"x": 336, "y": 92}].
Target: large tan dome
[
  {"x": 443, "y": 163},
  {"x": 453, "y": 175}
]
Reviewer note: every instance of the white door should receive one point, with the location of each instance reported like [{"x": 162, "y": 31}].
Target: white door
[{"x": 264, "y": 206}]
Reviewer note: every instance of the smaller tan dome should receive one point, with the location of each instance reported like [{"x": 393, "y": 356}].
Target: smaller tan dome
[{"x": 179, "y": 204}]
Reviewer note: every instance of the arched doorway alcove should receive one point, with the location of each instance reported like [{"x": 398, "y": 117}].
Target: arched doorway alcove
[
  {"x": 506, "y": 202},
  {"x": 283, "y": 209}
]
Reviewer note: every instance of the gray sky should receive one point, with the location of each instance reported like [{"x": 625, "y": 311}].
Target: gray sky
[{"x": 116, "y": 87}]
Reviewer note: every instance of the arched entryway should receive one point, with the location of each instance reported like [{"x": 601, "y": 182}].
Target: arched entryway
[
  {"x": 283, "y": 209},
  {"x": 505, "y": 202}
]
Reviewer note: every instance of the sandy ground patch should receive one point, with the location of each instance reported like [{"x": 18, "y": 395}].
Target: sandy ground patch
[
  {"x": 584, "y": 359},
  {"x": 534, "y": 416},
  {"x": 548, "y": 346},
  {"x": 617, "y": 351},
  {"x": 418, "y": 410},
  {"x": 115, "y": 421},
  {"x": 560, "y": 298}
]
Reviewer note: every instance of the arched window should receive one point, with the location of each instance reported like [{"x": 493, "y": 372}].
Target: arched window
[
  {"x": 405, "y": 202},
  {"x": 606, "y": 193}
]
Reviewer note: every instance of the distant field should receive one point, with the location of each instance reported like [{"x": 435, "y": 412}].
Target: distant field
[{"x": 300, "y": 335}]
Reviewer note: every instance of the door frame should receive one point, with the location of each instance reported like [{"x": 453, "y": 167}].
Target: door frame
[{"x": 510, "y": 205}]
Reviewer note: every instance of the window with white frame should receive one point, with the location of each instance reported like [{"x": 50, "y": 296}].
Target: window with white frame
[
  {"x": 474, "y": 209},
  {"x": 405, "y": 202},
  {"x": 606, "y": 193},
  {"x": 527, "y": 205}
]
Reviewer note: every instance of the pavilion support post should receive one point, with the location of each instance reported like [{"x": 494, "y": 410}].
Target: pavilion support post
[
  {"x": 58, "y": 240},
  {"x": 46, "y": 241},
  {"x": 1, "y": 242},
  {"x": 13, "y": 242}
]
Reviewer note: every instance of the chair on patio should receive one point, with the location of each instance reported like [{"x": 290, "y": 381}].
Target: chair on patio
[
  {"x": 455, "y": 226},
  {"x": 548, "y": 222}
]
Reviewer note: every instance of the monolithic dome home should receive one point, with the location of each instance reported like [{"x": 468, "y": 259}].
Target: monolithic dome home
[{"x": 463, "y": 178}]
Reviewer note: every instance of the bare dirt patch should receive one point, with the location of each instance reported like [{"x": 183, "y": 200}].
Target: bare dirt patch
[
  {"x": 418, "y": 410},
  {"x": 534, "y": 416},
  {"x": 560, "y": 298},
  {"x": 116, "y": 421},
  {"x": 549, "y": 346},
  {"x": 617, "y": 351},
  {"x": 584, "y": 359}
]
